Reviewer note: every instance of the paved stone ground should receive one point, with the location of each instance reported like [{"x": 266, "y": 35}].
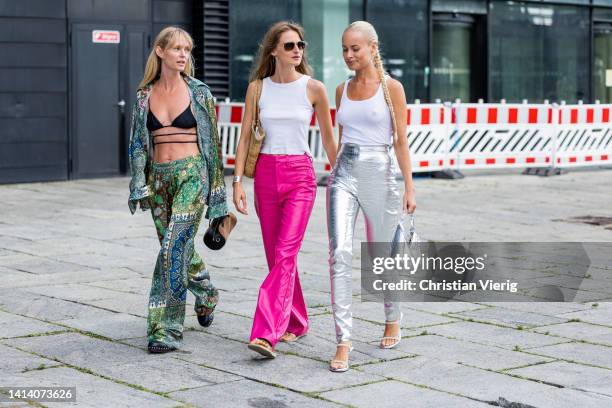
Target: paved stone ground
[{"x": 76, "y": 269}]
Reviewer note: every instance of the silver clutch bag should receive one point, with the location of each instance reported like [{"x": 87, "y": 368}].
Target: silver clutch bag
[{"x": 406, "y": 240}]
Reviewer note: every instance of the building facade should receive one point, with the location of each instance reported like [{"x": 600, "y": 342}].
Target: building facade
[{"x": 69, "y": 68}]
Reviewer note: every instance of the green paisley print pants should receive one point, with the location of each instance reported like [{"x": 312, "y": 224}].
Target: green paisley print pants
[{"x": 177, "y": 205}]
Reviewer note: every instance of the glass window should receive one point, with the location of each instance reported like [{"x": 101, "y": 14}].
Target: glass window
[
  {"x": 538, "y": 52},
  {"x": 323, "y": 22},
  {"x": 459, "y": 6},
  {"x": 249, "y": 21},
  {"x": 402, "y": 31}
]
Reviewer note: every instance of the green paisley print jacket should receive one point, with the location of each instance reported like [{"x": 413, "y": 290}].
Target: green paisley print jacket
[{"x": 140, "y": 149}]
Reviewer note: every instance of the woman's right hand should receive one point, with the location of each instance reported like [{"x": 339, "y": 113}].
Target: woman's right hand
[{"x": 240, "y": 201}]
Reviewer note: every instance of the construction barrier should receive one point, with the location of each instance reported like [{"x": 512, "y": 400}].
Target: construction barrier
[{"x": 476, "y": 136}]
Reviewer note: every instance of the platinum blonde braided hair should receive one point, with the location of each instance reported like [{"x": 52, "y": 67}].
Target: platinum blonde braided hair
[{"x": 369, "y": 32}]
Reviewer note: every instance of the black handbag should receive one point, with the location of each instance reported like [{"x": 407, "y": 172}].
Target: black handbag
[{"x": 219, "y": 230}]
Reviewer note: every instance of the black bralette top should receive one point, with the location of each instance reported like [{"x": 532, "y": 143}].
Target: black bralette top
[{"x": 185, "y": 120}]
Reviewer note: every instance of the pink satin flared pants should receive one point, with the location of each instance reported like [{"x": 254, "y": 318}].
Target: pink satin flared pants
[{"x": 285, "y": 190}]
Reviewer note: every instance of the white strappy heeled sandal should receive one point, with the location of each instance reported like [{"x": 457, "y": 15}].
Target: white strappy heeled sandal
[
  {"x": 397, "y": 338},
  {"x": 344, "y": 365}
]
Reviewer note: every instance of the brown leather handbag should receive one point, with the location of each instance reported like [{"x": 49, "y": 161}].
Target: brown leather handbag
[
  {"x": 219, "y": 230},
  {"x": 257, "y": 134}
]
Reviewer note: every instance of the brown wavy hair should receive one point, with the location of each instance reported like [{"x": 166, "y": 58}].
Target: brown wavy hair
[{"x": 264, "y": 63}]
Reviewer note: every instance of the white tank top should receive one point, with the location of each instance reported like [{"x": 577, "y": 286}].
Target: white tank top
[
  {"x": 285, "y": 113},
  {"x": 366, "y": 122}
]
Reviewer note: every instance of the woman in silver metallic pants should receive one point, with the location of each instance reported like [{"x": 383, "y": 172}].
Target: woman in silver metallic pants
[
  {"x": 363, "y": 178},
  {"x": 371, "y": 111}
]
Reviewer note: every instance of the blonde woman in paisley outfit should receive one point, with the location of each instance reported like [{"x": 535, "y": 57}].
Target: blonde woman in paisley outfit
[{"x": 176, "y": 172}]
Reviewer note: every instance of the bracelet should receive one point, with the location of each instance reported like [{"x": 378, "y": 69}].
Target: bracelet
[{"x": 237, "y": 179}]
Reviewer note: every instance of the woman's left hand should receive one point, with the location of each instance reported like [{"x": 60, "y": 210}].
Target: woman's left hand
[{"x": 409, "y": 201}]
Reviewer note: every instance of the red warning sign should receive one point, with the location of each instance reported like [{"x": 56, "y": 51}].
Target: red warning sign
[{"x": 105, "y": 36}]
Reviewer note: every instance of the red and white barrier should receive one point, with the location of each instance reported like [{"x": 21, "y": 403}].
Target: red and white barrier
[
  {"x": 584, "y": 137},
  {"x": 501, "y": 136},
  {"x": 476, "y": 136}
]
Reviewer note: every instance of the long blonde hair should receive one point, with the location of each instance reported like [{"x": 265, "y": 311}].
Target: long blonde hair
[
  {"x": 368, "y": 30},
  {"x": 264, "y": 63},
  {"x": 166, "y": 38}
]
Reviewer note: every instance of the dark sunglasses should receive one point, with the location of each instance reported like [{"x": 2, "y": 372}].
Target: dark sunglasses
[{"x": 291, "y": 45}]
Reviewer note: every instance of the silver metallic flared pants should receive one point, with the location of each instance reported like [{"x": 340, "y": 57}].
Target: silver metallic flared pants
[{"x": 362, "y": 178}]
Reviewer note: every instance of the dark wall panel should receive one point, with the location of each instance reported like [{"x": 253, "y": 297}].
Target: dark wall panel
[
  {"x": 21, "y": 162},
  {"x": 32, "y": 80},
  {"x": 109, "y": 10},
  {"x": 33, "y": 8},
  {"x": 24, "y": 174},
  {"x": 27, "y": 30},
  {"x": 22, "y": 105},
  {"x": 33, "y": 55},
  {"x": 33, "y": 130},
  {"x": 172, "y": 10}
]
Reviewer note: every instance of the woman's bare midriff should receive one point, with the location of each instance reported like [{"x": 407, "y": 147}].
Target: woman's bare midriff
[{"x": 167, "y": 152}]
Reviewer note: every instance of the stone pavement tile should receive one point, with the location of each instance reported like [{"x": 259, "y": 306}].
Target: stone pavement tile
[
  {"x": 137, "y": 284},
  {"x": 56, "y": 248},
  {"x": 311, "y": 281},
  {"x": 16, "y": 326},
  {"x": 580, "y": 331},
  {"x": 363, "y": 330},
  {"x": 289, "y": 371},
  {"x": 374, "y": 311},
  {"x": 570, "y": 375},
  {"x": 91, "y": 391},
  {"x": 585, "y": 353},
  {"x": 225, "y": 325},
  {"x": 133, "y": 304},
  {"x": 545, "y": 308},
  {"x": 79, "y": 350},
  {"x": 597, "y": 315},
  {"x": 14, "y": 404},
  {"x": 507, "y": 317},
  {"x": 16, "y": 361},
  {"x": 597, "y": 285},
  {"x": 321, "y": 349},
  {"x": 248, "y": 265},
  {"x": 247, "y": 394},
  {"x": 395, "y": 394},
  {"x": 41, "y": 265},
  {"x": 75, "y": 292},
  {"x": 459, "y": 351},
  {"x": 316, "y": 299},
  {"x": 573, "y": 295},
  {"x": 44, "y": 280},
  {"x": 45, "y": 308},
  {"x": 441, "y": 307},
  {"x": 142, "y": 263},
  {"x": 112, "y": 325},
  {"x": 493, "y": 335},
  {"x": 230, "y": 283},
  {"x": 163, "y": 374},
  {"x": 240, "y": 304},
  {"x": 483, "y": 385},
  {"x": 29, "y": 231}
]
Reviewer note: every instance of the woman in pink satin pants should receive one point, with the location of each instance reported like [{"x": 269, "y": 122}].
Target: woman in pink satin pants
[{"x": 285, "y": 183}]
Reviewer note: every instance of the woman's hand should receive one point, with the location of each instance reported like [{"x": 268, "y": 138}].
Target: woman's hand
[
  {"x": 409, "y": 201},
  {"x": 240, "y": 201}
]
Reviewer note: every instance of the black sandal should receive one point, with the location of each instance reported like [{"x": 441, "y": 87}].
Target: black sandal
[
  {"x": 206, "y": 319},
  {"x": 159, "y": 348}
]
